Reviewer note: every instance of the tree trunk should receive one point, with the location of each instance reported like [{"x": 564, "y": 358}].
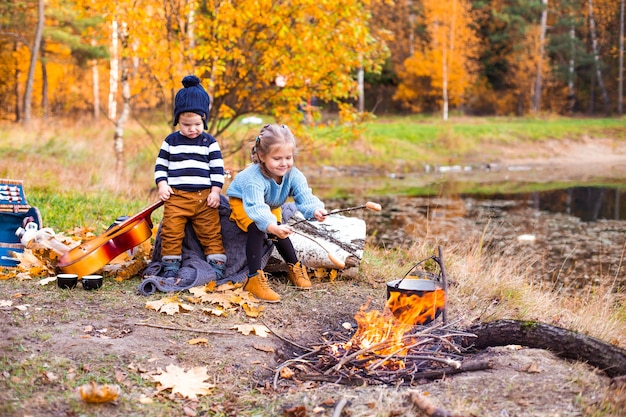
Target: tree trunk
[
  {"x": 16, "y": 84},
  {"x": 118, "y": 137},
  {"x": 95, "y": 79},
  {"x": 596, "y": 58},
  {"x": 620, "y": 90},
  {"x": 539, "y": 75},
  {"x": 34, "y": 53},
  {"x": 113, "y": 71},
  {"x": 45, "y": 102},
  {"x": 564, "y": 343},
  {"x": 360, "y": 78},
  {"x": 571, "y": 94}
]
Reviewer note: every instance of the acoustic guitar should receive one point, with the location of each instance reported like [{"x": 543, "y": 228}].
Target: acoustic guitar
[{"x": 94, "y": 254}]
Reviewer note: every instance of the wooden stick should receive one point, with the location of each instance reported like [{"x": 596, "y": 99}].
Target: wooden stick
[
  {"x": 424, "y": 404},
  {"x": 336, "y": 261},
  {"x": 369, "y": 205},
  {"x": 158, "y": 326}
]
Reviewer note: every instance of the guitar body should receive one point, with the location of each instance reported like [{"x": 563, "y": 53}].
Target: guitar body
[{"x": 91, "y": 256}]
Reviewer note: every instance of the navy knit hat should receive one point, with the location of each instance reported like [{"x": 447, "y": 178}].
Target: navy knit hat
[{"x": 193, "y": 98}]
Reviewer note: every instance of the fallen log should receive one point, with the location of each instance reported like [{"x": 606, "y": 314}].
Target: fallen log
[{"x": 564, "y": 343}]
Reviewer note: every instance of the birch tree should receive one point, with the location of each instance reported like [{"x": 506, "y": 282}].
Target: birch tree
[
  {"x": 441, "y": 70},
  {"x": 596, "y": 58}
]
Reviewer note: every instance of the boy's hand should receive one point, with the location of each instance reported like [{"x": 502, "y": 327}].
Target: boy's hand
[
  {"x": 165, "y": 191},
  {"x": 213, "y": 200}
]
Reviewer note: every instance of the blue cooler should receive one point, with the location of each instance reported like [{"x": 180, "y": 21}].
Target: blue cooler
[{"x": 15, "y": 213}]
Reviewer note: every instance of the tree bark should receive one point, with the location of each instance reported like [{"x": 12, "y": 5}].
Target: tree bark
[
  {"x": 571, "y": 95},
  {"x": 620, "y": 91},
  {"x": 539, "y": 75},
  {"x": 45, "y": 101},
  {"x": 34, "y": 53},
  {"x": 564, "y": 343},
  {"x": 596, "y": 58},
  {"x": 113, "y": 72},
  {"x": 120, "y": 124}
]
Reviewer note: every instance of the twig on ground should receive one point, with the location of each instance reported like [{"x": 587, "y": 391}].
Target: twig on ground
[
  {"x": 158, "y": 326},
  {"x": 424, "y": 404}
]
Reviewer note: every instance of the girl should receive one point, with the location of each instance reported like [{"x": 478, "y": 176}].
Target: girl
[{"x": 256, "y": 196}]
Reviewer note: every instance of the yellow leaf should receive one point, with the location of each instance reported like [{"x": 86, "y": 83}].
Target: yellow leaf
[
  {"x": 198, "y": 341},
  {"x": 246, "y": 329},
  {"x": 214, "y": 311},
  {"x": 286, "y": 373},
  {"x": 168, "y": 305},
  {"x": 252, "y": 310},
  {"x": 189, "y": 384},
  {"x": 96, "y": 393}
]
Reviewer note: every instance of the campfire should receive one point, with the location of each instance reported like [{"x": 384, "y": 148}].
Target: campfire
[{"x": 403, "y": 344}]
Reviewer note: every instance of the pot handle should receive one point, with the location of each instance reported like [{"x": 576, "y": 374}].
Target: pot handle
[{"x": 415, "y": 266}]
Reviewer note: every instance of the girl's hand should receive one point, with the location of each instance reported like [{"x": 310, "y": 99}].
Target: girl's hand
[
  {"x": 281, "y": 230},
  {"x": 165, "y": 191},
  {"x": 320, "y": 215}
]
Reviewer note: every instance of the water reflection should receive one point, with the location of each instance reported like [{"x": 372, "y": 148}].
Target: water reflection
[{"x": 586, "y": 203}]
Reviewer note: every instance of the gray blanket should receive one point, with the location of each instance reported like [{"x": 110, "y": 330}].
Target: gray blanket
[{"x": 195, "y": 271}]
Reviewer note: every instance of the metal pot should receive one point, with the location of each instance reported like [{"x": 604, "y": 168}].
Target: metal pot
[{"x": 416, "y": 301}]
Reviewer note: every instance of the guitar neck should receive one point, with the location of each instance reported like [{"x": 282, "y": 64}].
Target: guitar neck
[{"x": 145, "y": 212}]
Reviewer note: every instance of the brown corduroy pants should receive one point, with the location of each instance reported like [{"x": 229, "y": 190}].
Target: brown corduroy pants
[{"x": 184, "y": 206}]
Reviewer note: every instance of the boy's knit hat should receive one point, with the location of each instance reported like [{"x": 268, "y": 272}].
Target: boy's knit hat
[{"x": 193, "y": 98}]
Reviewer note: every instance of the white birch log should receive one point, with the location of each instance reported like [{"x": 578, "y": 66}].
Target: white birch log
[{"x": 342, "y": 236}]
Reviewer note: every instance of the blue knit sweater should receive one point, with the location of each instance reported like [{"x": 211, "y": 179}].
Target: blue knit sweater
[
  {"x": 190, "y": 164},
  {"x": 261, "y": 194}
]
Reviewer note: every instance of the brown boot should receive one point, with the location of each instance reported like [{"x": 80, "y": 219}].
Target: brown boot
[
  {"x": 299, "y": 276},
  {"x": 258, "y": 286}
]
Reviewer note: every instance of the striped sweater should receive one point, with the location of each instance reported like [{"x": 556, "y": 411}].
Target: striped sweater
[{"x": 190, "y": 164}]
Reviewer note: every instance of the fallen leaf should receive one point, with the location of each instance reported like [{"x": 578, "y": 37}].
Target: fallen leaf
[
  {"x": 168, "y": 305},
  {"x": 258, "y": 329},
  {"x": 47, "y": 281},
  {"x": 6, "y": 303},
  {"x": 189, "y": 384},
  {"x": 214, "y": 311},
  {"x": 286, "y": 373},
  {"x": 332, "y": 275},
  {"x": 252, "y": 310},
  {"x": 533, "y": 368},
  {"x": 96, "y": 393},
  {"x": 295, "y": 411},
  {"x": 198, "y": 341},
  {"x": 264, "y": 348}
]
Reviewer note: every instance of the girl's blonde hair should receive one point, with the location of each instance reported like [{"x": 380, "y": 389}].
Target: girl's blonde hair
[{"x": 269, "y": 136}]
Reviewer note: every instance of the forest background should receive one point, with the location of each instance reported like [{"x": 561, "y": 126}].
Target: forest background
[{"x": 122, "y": 59}]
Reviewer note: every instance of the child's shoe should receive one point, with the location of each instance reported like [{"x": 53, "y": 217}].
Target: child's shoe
[
  {"x": 258, "y": 286},
  {"x": 299, "y": 276},
  {"x": 218, "y": 263},
  {"x": 171, "y": 265}
]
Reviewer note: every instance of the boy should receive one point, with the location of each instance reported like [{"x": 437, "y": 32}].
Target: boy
[{"x": 189, "y": 174}]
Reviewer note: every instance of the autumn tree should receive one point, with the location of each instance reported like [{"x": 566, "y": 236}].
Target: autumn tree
[{"x": 442, "y": 68}]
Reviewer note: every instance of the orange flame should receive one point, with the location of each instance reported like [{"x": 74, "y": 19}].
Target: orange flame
[
  {"x": 417, "y": 308},
  {"x": 382, "y": 333}
]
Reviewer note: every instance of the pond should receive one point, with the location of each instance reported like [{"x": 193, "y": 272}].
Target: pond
[{"x": 577, "y": 232}]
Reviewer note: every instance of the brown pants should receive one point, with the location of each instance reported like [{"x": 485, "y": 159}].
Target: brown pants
[{"x": 184, "y": 206}]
